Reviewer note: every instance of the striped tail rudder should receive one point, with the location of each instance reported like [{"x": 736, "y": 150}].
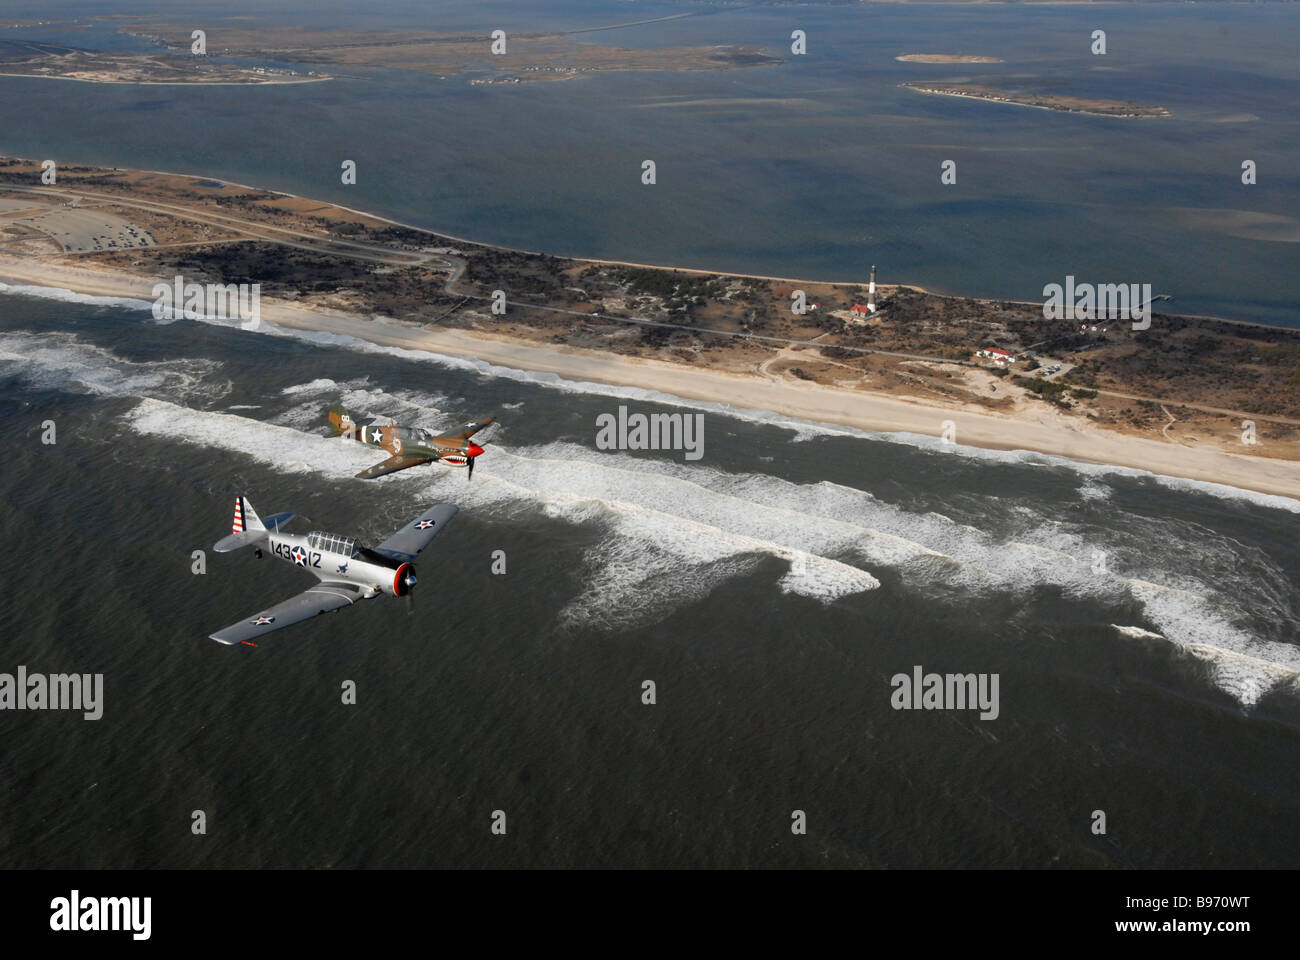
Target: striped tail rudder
[{"x": 246, "y": 518}]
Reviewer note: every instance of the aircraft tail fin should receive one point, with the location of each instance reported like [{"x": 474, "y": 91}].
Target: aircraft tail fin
[
  {"x": 248, "y": 528},
  {"x": 342, "y": 422},
  {"x": 246, "y": 518}
]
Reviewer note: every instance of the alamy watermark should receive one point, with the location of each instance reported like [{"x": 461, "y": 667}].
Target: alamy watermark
[
  {"x": 57, "y": 691},
  {"x": 946, "y": 691},
  {"x": 655, "y": 431},
  {"x": 76, "y": 913},
  {"x": 1100, "y": 301},
  {"x": 215, "y": 301}
]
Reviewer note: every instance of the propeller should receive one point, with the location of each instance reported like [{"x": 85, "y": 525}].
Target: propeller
[
  {"x": 409, "y": 582},
  {"x": 472, "y": 451}
]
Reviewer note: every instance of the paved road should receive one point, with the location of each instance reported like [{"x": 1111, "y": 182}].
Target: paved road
[{"x": 1244, "y": 414}]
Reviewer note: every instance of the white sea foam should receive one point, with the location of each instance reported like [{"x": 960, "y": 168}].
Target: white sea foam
[
  {"x": 1210, "y": 583},
  {"x": 1137, "y": 633},
  {"x": 406, "y": 407},
  {"x": 285, "y": 447},
  {"x": 678, "y": 529},
  {"x": 1247, "y": 678},
  {"x": 71, "y": 296},
  {"x": 321, "y": 385},
  {"x": 802, "y": 430},
  {"x": 1197, "y": 625},
  {"x": 62, "y": 361},
  {"x": 649, "y": 538},
  {"x": 1094, "y": 489},
  {"x": 169, "y": 314},
  {"x": 672, "y": 532}
]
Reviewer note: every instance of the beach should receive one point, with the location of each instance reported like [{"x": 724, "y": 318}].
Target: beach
[{"x": 1040, "y": 428}]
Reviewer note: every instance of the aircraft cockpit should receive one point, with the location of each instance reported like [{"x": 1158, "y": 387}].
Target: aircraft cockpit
[{"x": 332, "y": 543}]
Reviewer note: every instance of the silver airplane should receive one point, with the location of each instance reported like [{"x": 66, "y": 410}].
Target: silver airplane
[{"x": 347, "y": 571}]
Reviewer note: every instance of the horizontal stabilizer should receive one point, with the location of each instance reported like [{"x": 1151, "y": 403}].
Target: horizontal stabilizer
[
  {"x": 233, "y": 541},
  {"x": 248, "y": 528},
  {"x": 276, "y": 521}
]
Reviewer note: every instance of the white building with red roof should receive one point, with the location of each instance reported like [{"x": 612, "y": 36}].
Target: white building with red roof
[{"x": 997, "y": 355}]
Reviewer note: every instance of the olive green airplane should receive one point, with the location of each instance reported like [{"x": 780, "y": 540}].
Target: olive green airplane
[{"x": 409, "y": 446}]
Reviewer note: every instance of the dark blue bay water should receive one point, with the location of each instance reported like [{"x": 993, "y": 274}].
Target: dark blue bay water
[{"x": 814, "y": 168}]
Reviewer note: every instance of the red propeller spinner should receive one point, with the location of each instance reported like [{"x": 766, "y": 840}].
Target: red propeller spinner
[{"x": 472, "y": 450}]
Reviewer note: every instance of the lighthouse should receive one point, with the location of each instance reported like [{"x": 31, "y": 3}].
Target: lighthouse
[{"x": 871, "y": 290}]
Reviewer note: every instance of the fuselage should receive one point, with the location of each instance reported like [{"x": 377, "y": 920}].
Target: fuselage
[
  {"x": 334, "y": 558},
  {"x": 414, "y": 442}
]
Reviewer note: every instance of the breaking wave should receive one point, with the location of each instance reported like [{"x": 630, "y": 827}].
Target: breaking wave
[
  {"x": 62, "y": 361},
  {"x": 652, "y": 558},
  {"x": 71, "y": 296},
  {"x": 671, "y": 532}
]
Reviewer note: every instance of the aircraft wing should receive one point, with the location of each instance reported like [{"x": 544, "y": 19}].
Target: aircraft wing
[
  {"x": 415, "y": 536},
  {"x": 470, "y": 429},
  {"x": 322, "y": 598},
  {"x": 391, "y": 465}
]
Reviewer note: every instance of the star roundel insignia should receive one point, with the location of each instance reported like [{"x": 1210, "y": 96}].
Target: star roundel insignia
[
  {"x": 262, "y": 620},
  {"x": 424, "y": 525},
  {"x": 299, "y": 556}
]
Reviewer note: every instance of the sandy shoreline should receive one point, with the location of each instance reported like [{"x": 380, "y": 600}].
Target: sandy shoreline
[
  {"x": 1037, "y": 106},
  {"x": 699, "y": 271},
  {"x": 170, "y": 83},
  {"x": 1044, "y": 431}
]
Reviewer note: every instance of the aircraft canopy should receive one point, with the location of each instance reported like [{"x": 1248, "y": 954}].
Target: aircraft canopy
[{"x": 332, "y": 543}]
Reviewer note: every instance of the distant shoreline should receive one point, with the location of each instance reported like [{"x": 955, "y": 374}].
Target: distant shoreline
[
  {"x": 1005, "y": 97},
  {"x": 946, "y": 58},
  {"x": 699, "y": 271},
  {"x": 171, "y": 83}
]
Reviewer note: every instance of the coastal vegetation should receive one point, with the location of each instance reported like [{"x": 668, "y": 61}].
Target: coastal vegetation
[{"x": 917, "y": 343}]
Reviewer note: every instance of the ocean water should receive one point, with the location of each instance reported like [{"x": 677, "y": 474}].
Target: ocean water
[
  {"x": 1143, "y": 629},
  {"x": 815, "y": 168},
  {"x": 770, "y": 590}
]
